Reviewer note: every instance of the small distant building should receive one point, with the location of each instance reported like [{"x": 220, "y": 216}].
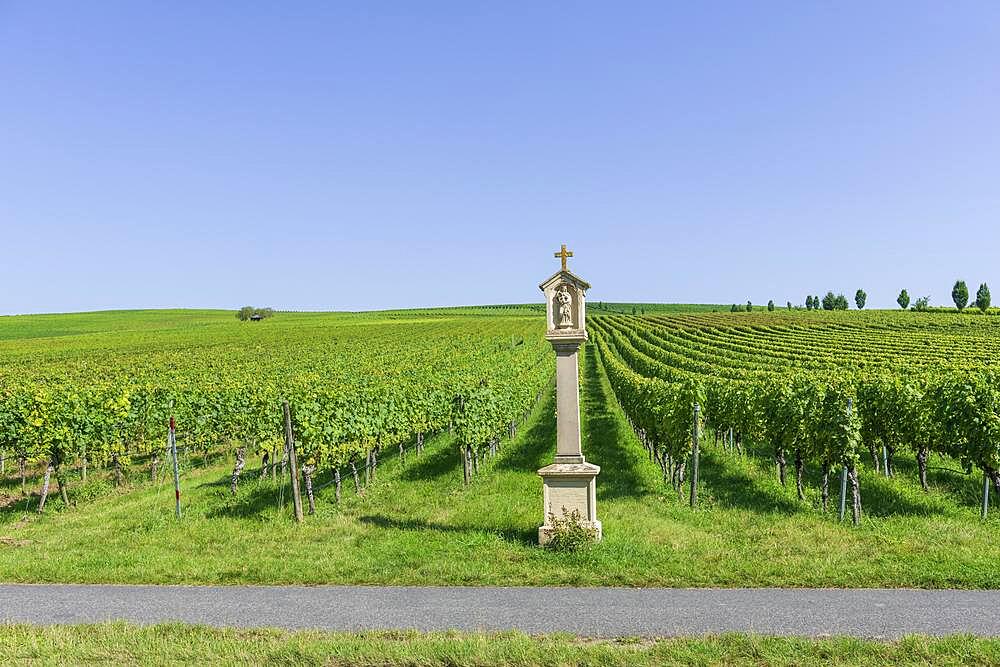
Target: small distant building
[{"x": 256, "y": 317}]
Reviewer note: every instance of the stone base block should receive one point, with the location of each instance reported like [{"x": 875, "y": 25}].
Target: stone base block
[{"x": 567, "y": 487}]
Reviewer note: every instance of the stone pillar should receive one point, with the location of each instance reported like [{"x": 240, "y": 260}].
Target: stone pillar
[{"x": 569, "y": 484}]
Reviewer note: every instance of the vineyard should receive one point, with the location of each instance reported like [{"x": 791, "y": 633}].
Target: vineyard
[
  {"x": 356, "y": 389},
  {"x": 813, "y": 390},
  {"x": 419, "y": 434}
]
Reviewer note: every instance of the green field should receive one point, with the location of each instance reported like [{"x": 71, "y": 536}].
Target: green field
[
  {"x": 123, "y": 644},
  {"x": 416, "y": 523}
]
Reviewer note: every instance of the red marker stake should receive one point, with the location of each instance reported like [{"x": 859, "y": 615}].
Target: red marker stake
[{"x": 172, "y": 441}]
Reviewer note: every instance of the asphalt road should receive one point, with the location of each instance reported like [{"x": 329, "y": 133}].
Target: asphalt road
[{"x": 592, "y": 612}]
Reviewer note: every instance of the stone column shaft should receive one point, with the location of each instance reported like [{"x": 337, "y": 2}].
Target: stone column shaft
[{"x": 568, "y": 448}]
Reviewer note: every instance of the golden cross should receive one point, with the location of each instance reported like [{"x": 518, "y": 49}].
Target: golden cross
[{"x": 563, "y": 254}]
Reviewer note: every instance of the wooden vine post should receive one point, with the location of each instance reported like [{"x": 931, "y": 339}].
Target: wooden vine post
[
  {"x": 694, "y": 458},
  {"x": 293, "y": 466},
  {"x": 843, "y": 474},
  {"x": 172, "y": 438},
  {"x": 986, "y": 495},
  {"x": 843, "y": 492}
]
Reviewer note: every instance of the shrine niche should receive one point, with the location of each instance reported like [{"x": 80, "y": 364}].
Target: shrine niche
[{"x": 565, "y": 299}]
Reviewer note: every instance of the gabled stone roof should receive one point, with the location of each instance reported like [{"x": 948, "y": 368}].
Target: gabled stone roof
[{"x": 565, "y": 276}]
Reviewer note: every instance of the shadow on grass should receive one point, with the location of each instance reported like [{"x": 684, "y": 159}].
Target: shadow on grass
[
  {"x": 254, "y": 498},
  {"x": 733, "y": 487},
  {"x": 526, "y": 536},
  {"x": 224, "y": 482},
  {"x": 605, "y": 433},
  {"x": 16, "y": 506},
  {"x": 964, "y": 490},
  {"x": 534, "y": 447},
  {"x": 13, "y": 503},
  {"x": 257, "y": 496},
  {"x": 443, "y": 461},
  {"x": 883, "y": 498},
  {"x": 100, "y": 483},
  {"x": 944, "y": 476}
]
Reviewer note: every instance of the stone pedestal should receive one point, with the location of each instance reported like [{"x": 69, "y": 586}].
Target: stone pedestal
[{"x": 567, "y": 487}]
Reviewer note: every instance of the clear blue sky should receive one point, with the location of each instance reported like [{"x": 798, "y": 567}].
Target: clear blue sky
[{"x": 364, "y": 155}]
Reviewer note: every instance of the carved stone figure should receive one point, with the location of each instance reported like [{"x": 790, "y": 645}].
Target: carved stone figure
[{"x": 565, "y": 300}]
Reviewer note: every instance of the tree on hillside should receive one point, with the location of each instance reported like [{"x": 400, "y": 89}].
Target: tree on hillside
[
  {"x": 250, "y": 313},
  {"x": 860, "y": 298},
  {"x": 983, "y": 298},
  {"x": 815, "y": 302},
  {"x": 749, "y": 306},
  {"x": 809, "y": 302},
  {"x": 770, "y": 304},
  {"x": 829, "y": 301},
  {"x": 903, "y": 299},
  {"x": 789, "y": 305},
  {"x": 840, "y": 302},
  {"x": 960, "y": 295},
  {"x": 922, "y": 304},
  {"x": 734, "y": 309}
]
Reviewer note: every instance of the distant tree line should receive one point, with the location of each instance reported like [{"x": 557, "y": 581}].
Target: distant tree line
[
  {"x": 829, "y": 302},
  {"x": 250, "y": 313},
  {"x": 959, "y": 294}
]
